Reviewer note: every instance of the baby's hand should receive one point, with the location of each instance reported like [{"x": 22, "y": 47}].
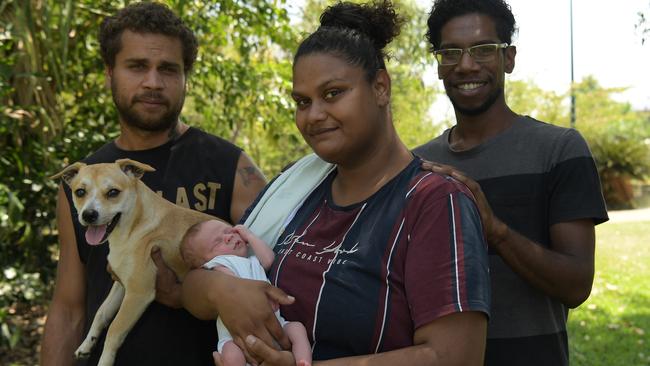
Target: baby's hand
[{"x": 243, "y": 232}]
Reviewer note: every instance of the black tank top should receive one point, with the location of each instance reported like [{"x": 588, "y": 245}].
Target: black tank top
[{"x": 197, "y": 170}]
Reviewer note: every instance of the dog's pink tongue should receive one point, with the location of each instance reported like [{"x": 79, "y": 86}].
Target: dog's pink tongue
[{"x": 95, "y": 234}]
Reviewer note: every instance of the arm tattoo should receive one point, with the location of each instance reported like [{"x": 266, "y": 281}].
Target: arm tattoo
[{"x": 249, "y": 175}]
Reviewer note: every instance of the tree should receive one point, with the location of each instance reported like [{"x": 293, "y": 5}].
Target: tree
[
  {"x": 241, "y": 90},
  {"x": 47, "y": 46},
  {"x": 642, "y": 26},
  {"x": 525, "y": 97},
  {"x": 412, "y": 97}
]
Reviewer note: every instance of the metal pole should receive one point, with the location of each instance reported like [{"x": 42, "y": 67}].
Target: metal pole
[{"x": 573, "y": 95}]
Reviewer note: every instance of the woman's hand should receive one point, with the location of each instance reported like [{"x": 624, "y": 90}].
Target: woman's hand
[
  {"x": 243, "y": 305},
  {"x": 268, "y": 356},
  {"x": 245, "y": 310}
]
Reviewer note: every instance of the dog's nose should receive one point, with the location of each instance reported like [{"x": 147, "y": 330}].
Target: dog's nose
[{"x": 90, "y": 216}]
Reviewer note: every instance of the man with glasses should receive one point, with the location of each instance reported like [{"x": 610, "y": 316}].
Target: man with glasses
[{"x": 536, "y": 185}]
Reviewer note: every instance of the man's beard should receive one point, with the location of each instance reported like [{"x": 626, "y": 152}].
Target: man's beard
[
  {"x": 492, "y": 98},
  {"x": 131, "y": 117}
]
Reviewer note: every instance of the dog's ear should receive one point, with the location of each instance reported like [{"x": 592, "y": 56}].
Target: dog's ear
[
  {"x": 69, "y": 172},
  {"x": 133, "y": 168}
]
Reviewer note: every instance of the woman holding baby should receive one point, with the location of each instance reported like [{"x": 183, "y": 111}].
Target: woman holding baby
[{"x": 387, "y": 262}]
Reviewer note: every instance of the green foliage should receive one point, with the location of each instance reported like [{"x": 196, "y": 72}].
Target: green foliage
[
  {"x": 16, "y": 286},
  {"x": 411, "y": 97},
  {"x": 53, "y": 112},
  {"x": 45, "y": 117},
  {"x": 596, "y": 107},
  {"x": 241, "y": 87},
  {"x": 526, "y": 97},
  {"x": 618, "y": 136},
  {"x": 612, "y": 326},
  {"x": 622, "y": 153},
  {"x": 623, "y": 149}
]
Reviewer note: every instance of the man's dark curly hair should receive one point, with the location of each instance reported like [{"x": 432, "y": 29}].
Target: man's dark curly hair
[
  {"x": 145, "y": 17},
  {"x": 444, "y": 10}
]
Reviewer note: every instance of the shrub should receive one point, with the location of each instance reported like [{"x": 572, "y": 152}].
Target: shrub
[{"x": 622, "y": 153}]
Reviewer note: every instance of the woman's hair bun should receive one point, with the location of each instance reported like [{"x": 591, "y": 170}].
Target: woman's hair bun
[{"x": 377, "y": 20}]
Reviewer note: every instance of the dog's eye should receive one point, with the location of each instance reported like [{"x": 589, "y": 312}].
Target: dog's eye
[
  {"x": 112, "y": 193},
  {"x": 80, "y": 192}
]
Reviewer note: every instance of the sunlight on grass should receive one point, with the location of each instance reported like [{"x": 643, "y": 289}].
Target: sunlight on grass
[{"x": 612, "y": 327}]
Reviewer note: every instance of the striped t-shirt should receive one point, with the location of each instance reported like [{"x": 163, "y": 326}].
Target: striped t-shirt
[
  {"x": 366, "y": 276},
  {"x": 533, "y": 175}
]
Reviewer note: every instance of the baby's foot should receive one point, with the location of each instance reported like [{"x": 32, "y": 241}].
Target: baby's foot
[{"x": 303, "y": 363}]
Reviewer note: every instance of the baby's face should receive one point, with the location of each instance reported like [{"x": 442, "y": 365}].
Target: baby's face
[{"x": 218, "y": 238}]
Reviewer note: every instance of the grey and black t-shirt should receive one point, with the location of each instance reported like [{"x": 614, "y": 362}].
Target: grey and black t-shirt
[{"x": 534, "y": 175}]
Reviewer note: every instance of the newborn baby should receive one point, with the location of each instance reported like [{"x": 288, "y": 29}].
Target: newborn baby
[{"x": 216, "y": 245}]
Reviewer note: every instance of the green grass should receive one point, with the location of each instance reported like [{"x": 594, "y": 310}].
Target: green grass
[{"x": 612, "y": 327}]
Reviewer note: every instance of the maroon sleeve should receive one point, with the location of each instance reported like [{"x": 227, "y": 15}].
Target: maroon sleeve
[{"x": 446, "y": 262}]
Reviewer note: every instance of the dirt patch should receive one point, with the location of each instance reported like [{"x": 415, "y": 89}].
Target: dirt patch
[{"x": 27, "y": 322}]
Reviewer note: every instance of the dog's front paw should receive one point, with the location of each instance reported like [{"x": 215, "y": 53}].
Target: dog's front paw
[
  {"x": 83, "y": 351},
  {"x": 81, "y": 354}
]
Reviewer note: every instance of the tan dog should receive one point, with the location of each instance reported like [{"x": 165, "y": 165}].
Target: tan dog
[{"x": 115, "y": 205}]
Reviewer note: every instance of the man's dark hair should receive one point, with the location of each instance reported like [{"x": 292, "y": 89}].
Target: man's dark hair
[
  {"x": 145, "y": 17},
  {"x": 444, "y": 10}
]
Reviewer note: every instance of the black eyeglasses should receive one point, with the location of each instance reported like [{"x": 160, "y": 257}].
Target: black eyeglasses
[{"x": 480, "y": 53}]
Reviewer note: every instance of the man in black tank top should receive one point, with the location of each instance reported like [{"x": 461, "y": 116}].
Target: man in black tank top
[{"x": 148, "y": 53}]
